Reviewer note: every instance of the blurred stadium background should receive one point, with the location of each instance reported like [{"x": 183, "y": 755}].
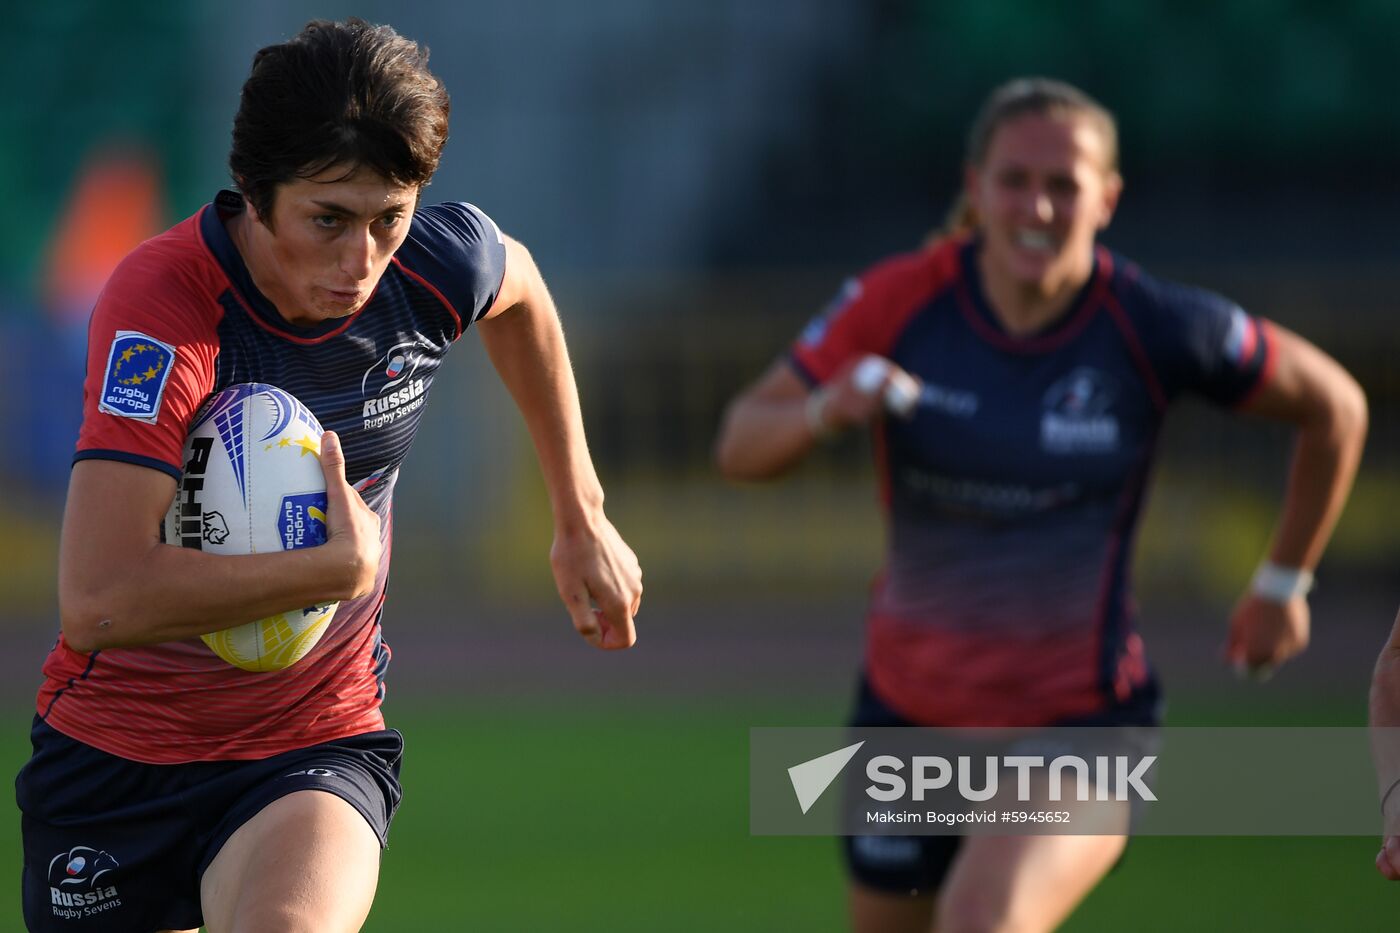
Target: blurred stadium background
[{"x": 696, "y": 180}]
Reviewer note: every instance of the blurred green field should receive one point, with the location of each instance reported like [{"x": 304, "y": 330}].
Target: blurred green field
[{"x": 623, "y": 815}]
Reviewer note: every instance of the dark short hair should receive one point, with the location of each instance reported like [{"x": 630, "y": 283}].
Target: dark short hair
[{"x": 337, "y": 94}]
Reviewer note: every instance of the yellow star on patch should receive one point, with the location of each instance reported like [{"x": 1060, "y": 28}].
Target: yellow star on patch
[
  {"x": 151, "y": 372},
  {"x": 127, "y": 354}
]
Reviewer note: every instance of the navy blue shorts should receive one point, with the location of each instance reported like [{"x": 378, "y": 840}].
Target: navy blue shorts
[
  {"x": 918, "y": 864},
  {"x": 118, "y": 846}
]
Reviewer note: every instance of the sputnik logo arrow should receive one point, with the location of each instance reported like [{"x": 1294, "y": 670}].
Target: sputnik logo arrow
[{"x": 810, "y": 779}]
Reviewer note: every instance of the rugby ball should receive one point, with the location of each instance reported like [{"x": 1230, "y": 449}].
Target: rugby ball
[{"x": 252, "y": 484}]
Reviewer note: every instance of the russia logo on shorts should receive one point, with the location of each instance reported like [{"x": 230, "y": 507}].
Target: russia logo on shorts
[
  {"x": 80, "y": 865},
  {"x": 80, "y": 883},
  {"x": 138, "y": 367}
]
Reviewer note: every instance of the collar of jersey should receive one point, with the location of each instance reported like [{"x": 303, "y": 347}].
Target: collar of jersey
[
  {"x": 216, "y": 237},
  {"x": 1054, "y": 334}
]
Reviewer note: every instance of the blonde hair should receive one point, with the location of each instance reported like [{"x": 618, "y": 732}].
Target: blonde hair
[{"x": 1016, "y": 98}]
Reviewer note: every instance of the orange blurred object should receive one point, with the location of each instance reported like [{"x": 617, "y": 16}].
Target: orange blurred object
[{"x": 115, "y": 205}]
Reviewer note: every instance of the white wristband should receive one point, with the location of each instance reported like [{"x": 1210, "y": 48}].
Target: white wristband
[
  {"x": 901, "y": 391},
  {"x": 1281, "y": 584}
]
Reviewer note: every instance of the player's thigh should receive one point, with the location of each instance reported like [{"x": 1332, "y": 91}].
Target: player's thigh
[
  {"x": 1018, "y": 884},
  {"x": 895, "y": 879},
  {"x": 308, "y": 861}
]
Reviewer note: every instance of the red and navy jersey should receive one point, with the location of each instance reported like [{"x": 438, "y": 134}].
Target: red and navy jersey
[
  {"x": 1013, "y": 492},
  {"x": 181, "y": 319}
]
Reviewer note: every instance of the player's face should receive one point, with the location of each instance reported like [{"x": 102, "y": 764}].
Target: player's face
[
  {"x": 1041, "y": 194},
  {"x": 330, "y": 240}
]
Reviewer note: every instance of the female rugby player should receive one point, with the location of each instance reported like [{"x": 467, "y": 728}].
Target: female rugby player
[
  {"x": 1039, "y": 367},
  {"x": 167, "y": 788}
]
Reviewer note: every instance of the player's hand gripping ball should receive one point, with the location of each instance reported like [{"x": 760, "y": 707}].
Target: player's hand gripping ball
[{"x": 252, "y": 484}]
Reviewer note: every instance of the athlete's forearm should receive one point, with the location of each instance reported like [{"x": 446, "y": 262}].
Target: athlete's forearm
[
  {"x": 526, "y": 346},
  {"x": 1385, "y": 731},
  {"x": 764, "y": 437},
  {"x": 170, "y": 593},
  {"x": 119, "y": 585},
  {"x": 1325, "y": 459},
  {"x": 1385, "y": 685},
  {"x": 1313, "y": 392}
]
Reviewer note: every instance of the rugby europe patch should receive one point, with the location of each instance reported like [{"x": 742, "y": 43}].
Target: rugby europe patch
[{"x": 137, "y": 369}]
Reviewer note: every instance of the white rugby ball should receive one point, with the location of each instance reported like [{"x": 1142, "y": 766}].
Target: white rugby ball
[{"x": 252, "y": 484}]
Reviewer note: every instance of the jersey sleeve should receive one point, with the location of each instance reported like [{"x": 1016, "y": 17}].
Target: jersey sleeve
[
  {"x": 460, "y": 251},
  {"x": 1203, "y": 343},
  {"x": 866, "y": 316},
  {"x": 152, "y": 348}
]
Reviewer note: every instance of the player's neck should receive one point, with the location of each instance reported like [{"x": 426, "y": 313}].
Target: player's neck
[
  {"x": 1023, "y": 308},
  {"x": 255, "y": 259}
]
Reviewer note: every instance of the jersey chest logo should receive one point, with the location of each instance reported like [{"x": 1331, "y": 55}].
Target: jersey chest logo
[
  {"x": 393, "y": 387},
  {"x": 1076, "y": 415}
]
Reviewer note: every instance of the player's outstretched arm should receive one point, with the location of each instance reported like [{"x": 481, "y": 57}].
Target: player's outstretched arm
[
  {"x": 1308, "y": 388},
  {"x": 1385, "y": 747},
  {"x": 597, "y": 574},
  {"x": 119, "y": 585},
  {"x": 771, "y": 425}
]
